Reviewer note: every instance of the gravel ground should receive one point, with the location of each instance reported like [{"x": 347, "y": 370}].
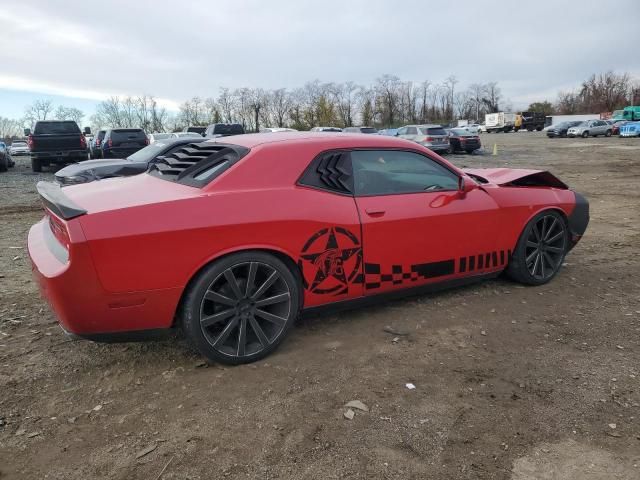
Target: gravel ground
[{"x": 510, "y": 382}]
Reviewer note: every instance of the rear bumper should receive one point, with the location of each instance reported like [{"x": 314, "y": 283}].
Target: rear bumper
[
  {"x": 578, "y": 219},
  {"x": 443, "y": 147},
  {"x": 82, "y": 306},
  {"x": 60, "y": 155}
]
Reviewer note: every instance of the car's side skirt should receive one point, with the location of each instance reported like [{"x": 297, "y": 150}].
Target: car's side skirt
[{"x": 396, "y": 294}]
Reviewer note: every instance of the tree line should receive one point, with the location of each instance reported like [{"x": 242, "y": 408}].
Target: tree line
[{"x": 388, "y": 102}]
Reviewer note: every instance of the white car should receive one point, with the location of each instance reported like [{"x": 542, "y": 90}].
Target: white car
[
  {"x": 325, "y": 129},
  {"x": 276, "y": 129},
  {"x": 154, "y": 137},
  {"x": 19, "y": 147},
  {"x": 482, "y": 128},
  {"x": 472, "y": 128},
  {"x": 186, "y": 135}
]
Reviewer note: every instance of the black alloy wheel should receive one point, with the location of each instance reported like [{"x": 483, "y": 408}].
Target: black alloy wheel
[
  {"x": 545, "y": 247},
  {"x": 241, "y": 308},
  {"x": 541, "y": 249}
]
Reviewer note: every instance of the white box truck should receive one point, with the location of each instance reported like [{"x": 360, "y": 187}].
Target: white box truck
[{"x": 499, "y": 122}]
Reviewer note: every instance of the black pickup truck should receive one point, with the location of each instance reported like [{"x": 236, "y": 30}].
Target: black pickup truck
[
  {"x": 56, "y": 141},
  {"x": 532, "y": 121}
]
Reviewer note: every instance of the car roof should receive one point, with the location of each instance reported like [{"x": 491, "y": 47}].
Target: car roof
[{"x": 324, "y": 140}]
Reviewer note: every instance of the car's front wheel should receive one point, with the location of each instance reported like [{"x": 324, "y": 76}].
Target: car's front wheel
[
  {"x": 240, "y": 308},
  {"x": 540, "y": 250},
  {"x": 585, "y": 134}
]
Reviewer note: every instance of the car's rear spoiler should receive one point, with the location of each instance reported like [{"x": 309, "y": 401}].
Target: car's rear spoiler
[{"x": 56, "y": 201}]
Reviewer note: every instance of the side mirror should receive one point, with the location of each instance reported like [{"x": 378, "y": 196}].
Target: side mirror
[
  {"x": 27, "y": 132},
  {"x": 87, "y": 130},
  {"x": 465, "y": 185}
]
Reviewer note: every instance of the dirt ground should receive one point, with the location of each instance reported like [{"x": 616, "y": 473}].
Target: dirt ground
[{"x": 510, "y": 382}]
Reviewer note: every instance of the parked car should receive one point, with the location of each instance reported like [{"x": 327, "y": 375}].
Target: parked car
[
  {"x": 630, "y": 129},
  {"x": 223, "y": 130},
  {"x": 160, "y": 136},
  {"x": 325, "y": 129},
  {"x": 56, "y": 141},
  {"x": 473, "y": 128},
  {"x": 194, "y": 129},
  {"x": 94, "y": 146},
  {"x": 5, "y": 158},
  {"x": 561, "y": 129},
  {"x": 390, "y": 132},
  {"x": 276, "y": 129},
  {"x": 185, "y": 135},
  {"x": 360, "y": 130},
  {"x": 18, "y": 148},
  {"x": 615, "y": 126},
  {"x": 195, "y": 242},
  {"x": 591, "y": 128},
  {"x": 122, "y": 142},
  {"x": 433, "y": 137},
  {"x": 463, "y": 139},
  {"x": 482, "y": 128},
  {"x": 91, "y": 170}
]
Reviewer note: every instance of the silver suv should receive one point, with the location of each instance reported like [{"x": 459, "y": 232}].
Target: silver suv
[
  {"x": 433, "y": 137},
  {"x": 590, "y": 127}
]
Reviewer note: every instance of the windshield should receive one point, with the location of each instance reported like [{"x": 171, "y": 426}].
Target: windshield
[
  {"x": 368, "y": 130},
  {"x": 461, "y": 131},
  {"x": 56, "y": 128},
  {"x": 147, "y": 154},
  {"x": 433, "y": 131},
  {"x": 19, "y": 144}
]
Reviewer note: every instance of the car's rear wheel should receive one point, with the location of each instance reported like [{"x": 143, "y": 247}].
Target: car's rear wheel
[
  {"x": 540, "y": 250},
  {"x": 608, "y": 134},
  {"x": 4, "y": 163},
  {"x": 36, "y": 165},
  {"x": 240, "y": 308}
]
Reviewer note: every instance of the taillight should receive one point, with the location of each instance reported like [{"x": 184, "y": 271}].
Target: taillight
[
  {"x": 59, "y": 230},
  {"x": 30, "y": 142},
  {"x": 146, "y": 140},
  {"x": 83, "y": 142},
  {"x": 98, "y": 142},
  {"x": 110, "y": 143},
  {"x": 429, "y": 139}
]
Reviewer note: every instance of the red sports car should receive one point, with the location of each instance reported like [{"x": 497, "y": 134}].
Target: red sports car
[{"x": 231, "y": 240}]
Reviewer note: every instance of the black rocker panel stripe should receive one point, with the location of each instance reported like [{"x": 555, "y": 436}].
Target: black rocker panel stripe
[
  {"x": 484, "y": 260},
  {"x": 399, "y": 275}
]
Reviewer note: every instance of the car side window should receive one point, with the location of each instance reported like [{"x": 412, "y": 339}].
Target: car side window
[
  {"x": 402, "y": 131},
  {"x": 389, "y": 172},
  {"x": 412, "y": 131}
]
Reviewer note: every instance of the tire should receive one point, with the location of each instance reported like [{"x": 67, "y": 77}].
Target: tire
[
  {"x": 451, "y": 149},
  {"x": 469, "y": 151},
  {"x": 608, "y": 134},
  {"x": 36, "y": 165},
  {"x": 4, "y": 163},
  {"x": 527, "y": 263},
  {"x": 214, "y": 312},
  {"x": 585, "y": 134}
]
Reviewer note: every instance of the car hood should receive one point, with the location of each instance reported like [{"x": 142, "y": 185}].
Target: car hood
[
  {"x": 119, "y": 193},
  {"x": 515, "y": 177}
]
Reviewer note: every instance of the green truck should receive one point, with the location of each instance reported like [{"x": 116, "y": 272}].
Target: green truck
[{"x": 630, "y": 113}]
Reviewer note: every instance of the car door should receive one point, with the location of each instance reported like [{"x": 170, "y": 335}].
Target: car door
[
  {"x": 408, "y": 133},
  {"x": 417, "y": 226}
]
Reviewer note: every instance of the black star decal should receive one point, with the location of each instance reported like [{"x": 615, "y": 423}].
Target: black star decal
[{"x": 330, "y": 262}]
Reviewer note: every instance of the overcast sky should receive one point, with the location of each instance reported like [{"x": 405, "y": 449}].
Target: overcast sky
[{"x": 79, "y": 53}]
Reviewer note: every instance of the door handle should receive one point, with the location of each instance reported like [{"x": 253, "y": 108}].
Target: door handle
[{"x": 374, "y": 212}]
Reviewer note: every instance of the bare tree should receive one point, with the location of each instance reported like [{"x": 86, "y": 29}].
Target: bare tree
[{"x": 38, "y": 110}]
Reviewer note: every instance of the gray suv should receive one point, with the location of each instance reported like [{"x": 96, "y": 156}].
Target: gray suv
[
  {"x": 590, "y": 127},
  {"x": 433, "y": 137}
]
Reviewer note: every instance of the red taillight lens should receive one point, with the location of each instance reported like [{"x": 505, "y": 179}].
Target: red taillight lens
[
  {"x": 429, "y": 139},
  {"x": 59, "y": 230},
  {"x": 98, "y": 142},
  {"x": 83, "y": 141},
  {"x": 30, "y": 142},
  {"x": 110, "y": 143},
  {"x": 146, "y": 140}
]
